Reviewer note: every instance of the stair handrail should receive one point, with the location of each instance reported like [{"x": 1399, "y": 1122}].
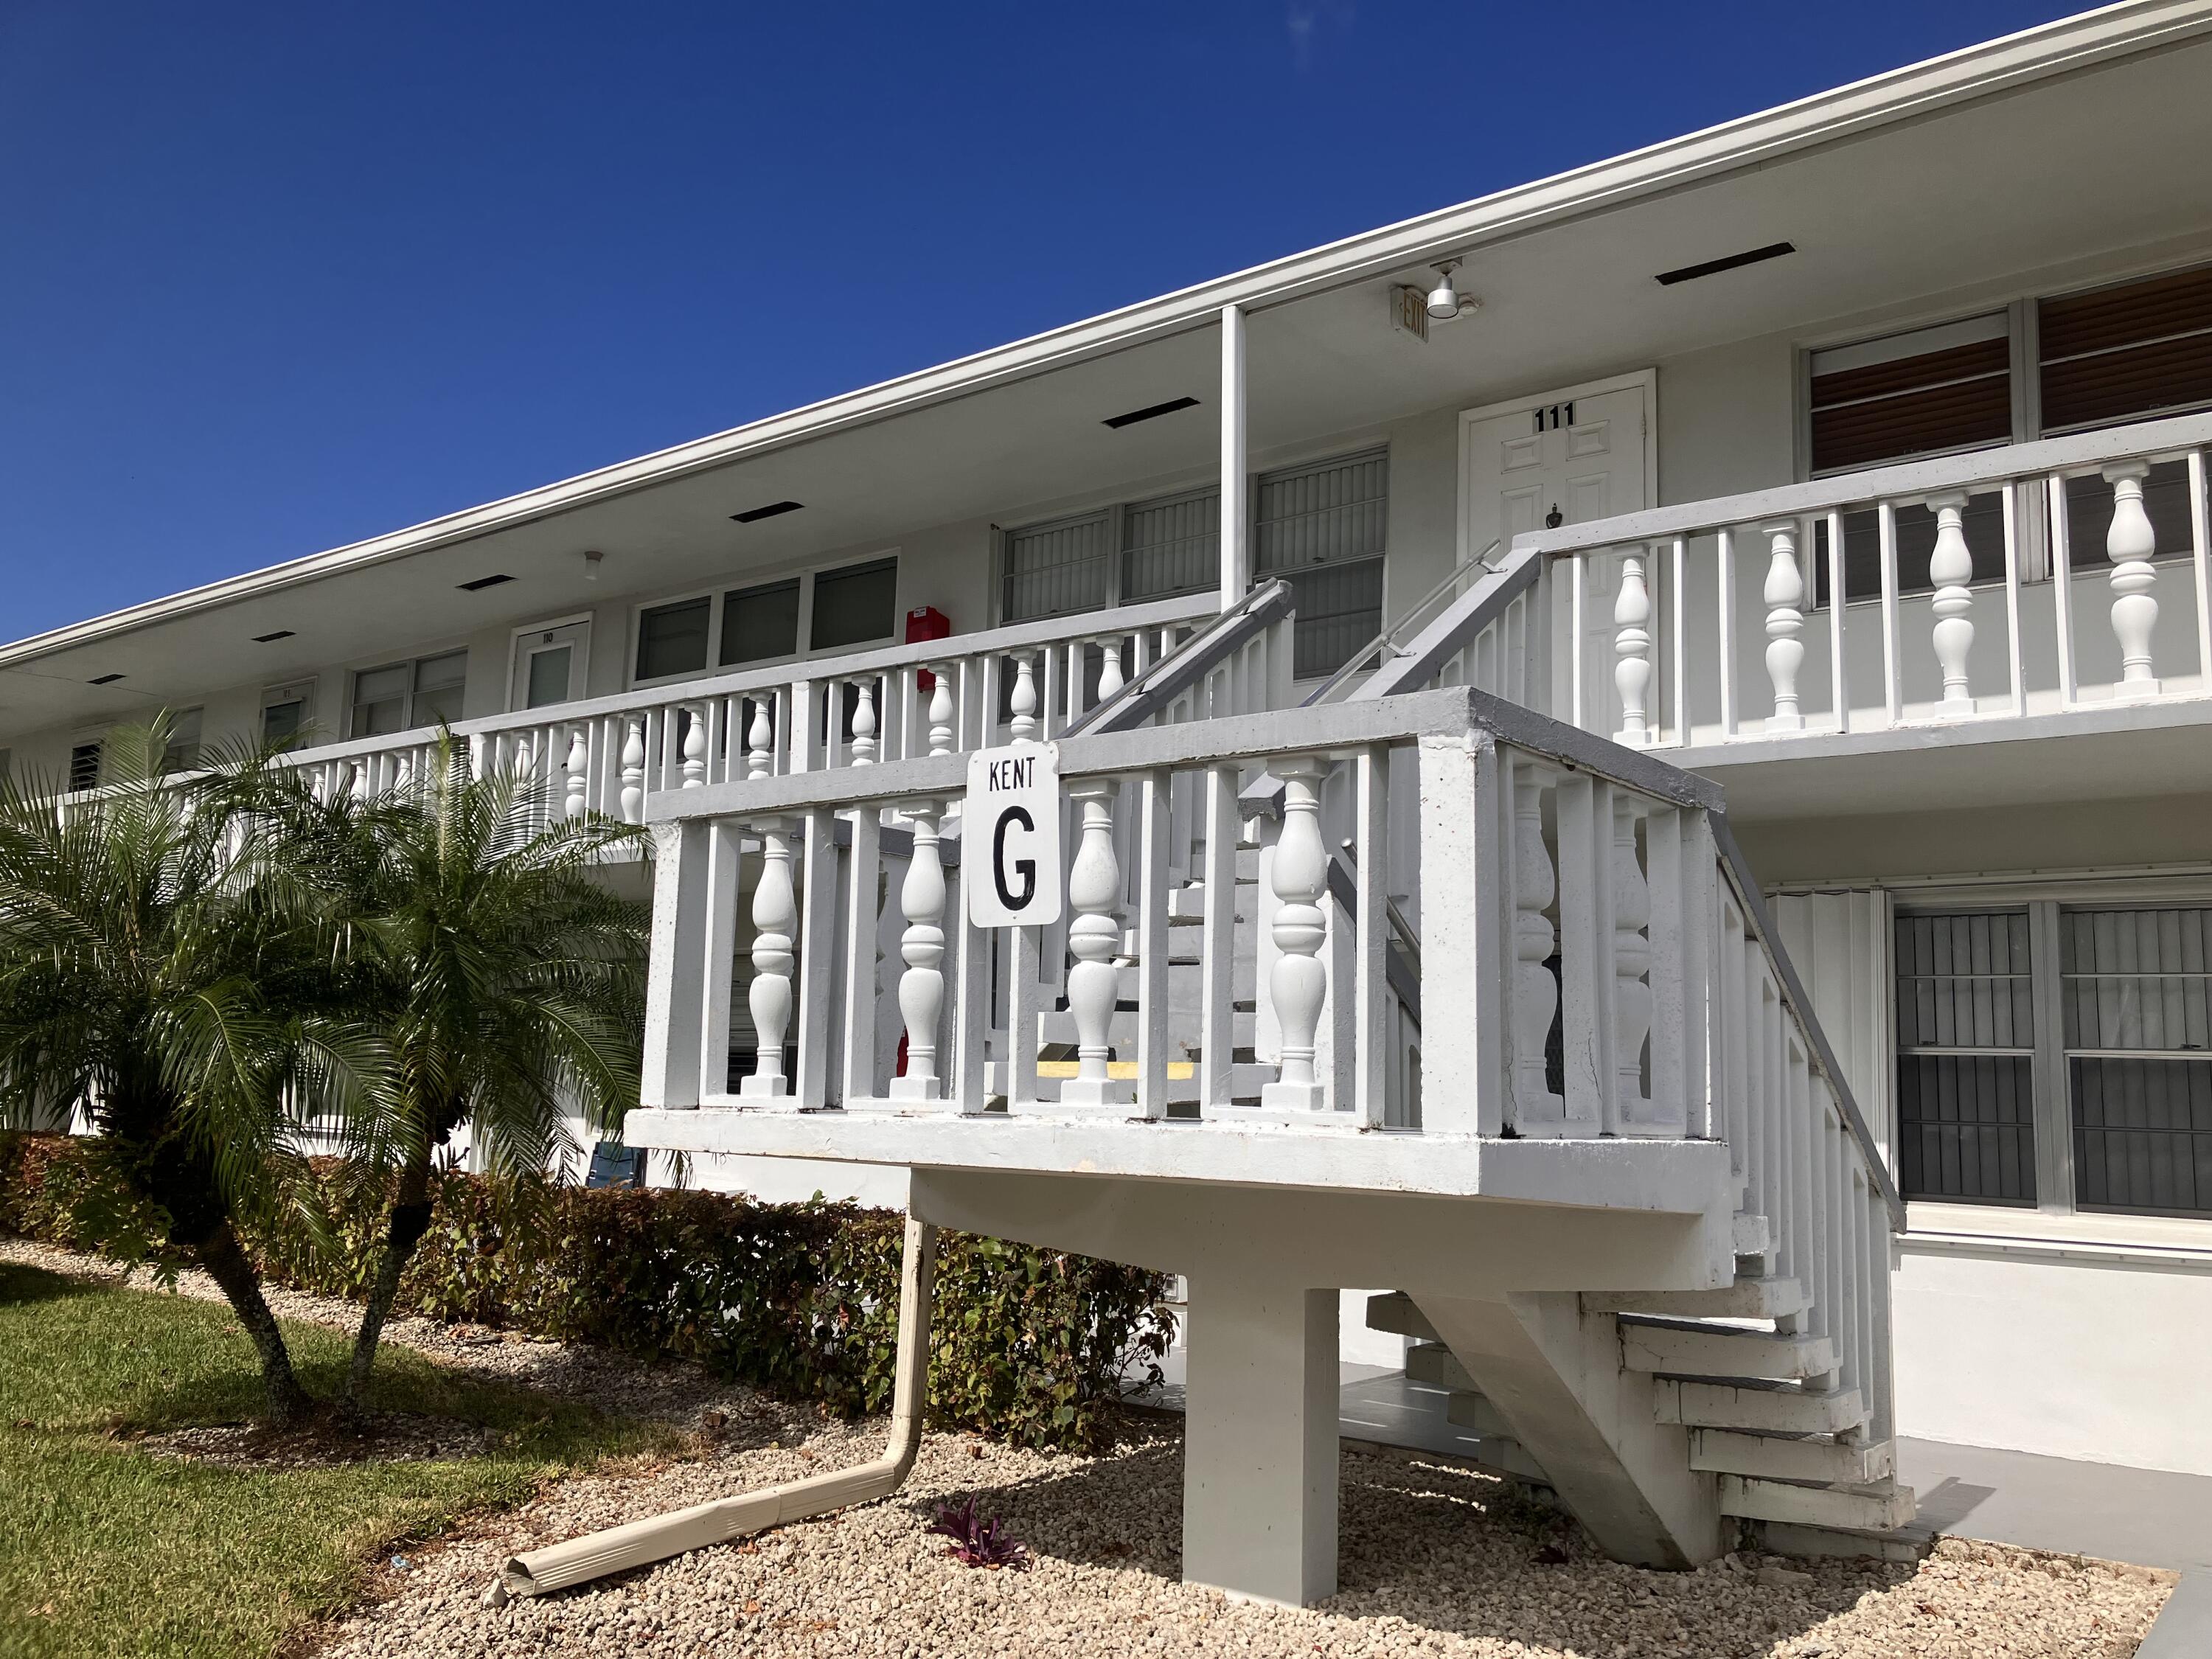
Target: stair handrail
[
  {"x": 1189, "y": 663},
  {"x": 1456, "y": 626},
  {"x": 1737, "y": 868},
  {"x": 1385, "y": 644}
]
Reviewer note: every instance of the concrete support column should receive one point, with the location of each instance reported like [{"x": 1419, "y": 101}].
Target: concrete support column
[{"x": 1260, "y": 1440}]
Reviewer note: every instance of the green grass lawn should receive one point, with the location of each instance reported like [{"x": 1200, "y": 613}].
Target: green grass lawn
[{"x": 107, "y": 1549}]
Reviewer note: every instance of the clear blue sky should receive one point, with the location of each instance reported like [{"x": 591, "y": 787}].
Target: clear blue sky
[{"x": 276, "y": 277}]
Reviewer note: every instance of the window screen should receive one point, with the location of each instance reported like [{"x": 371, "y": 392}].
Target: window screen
[
  {"x": 854, "y": 604},
  {"x": 183, "y": 752},
  {"x": 284, "y": 711},
  {"x": 2139, "y": 1057},
  {"x": 84, "y": 766},
  {"x": 439, "y": 682},
  {"x": 1965, "y": 1040},
  {"x": 1324, "y": 528},
  {"x": 2126, "y": 352},
  {"x": 671, "y": 639},
  {"x": 760, "y": 622},
  {"x": 1924, "y": 392},
  {"x": 379, "y": 701},
  {"x": 1171, "y": 546},
  {"x": 1057, "y": 569}
]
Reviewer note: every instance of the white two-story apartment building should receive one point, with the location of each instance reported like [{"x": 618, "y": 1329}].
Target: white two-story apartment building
[{"x": 1826, "y": 489}]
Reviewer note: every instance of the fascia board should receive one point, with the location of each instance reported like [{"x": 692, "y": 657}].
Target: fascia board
[{"x": 1977, "y": 72}]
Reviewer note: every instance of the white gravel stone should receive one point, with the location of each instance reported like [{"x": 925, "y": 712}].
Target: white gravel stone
[{"x": 1436, "y": 1559}]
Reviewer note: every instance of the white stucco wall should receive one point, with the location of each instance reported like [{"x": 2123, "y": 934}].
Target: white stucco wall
[{"x": 2111, "y": 1364}]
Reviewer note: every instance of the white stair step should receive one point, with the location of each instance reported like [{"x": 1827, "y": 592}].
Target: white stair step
[
  {"x": 1437, "y": 1365},
  {"x": 1477, "y": 1416},
  {"x": 1769, "y": 1410},
  {"x": 1748, "y": 1299},
  {"x": 1717, "y": 1351},
  {"x": 1393, "y": 1312},
  {"x": 1777, "y": 1457},
  {"x": 1880, "y": 1509}
]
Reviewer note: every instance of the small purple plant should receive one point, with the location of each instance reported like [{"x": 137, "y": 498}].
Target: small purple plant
[{"x": 976, "y": 1541}]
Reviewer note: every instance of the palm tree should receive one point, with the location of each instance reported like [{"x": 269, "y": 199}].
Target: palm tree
[
  {"x": 162, "y": 973},
  {"x": 508, "y": 986}
]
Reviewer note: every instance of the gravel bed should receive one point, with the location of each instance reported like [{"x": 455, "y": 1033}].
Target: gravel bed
[{"x": 1436, "y": 1558}]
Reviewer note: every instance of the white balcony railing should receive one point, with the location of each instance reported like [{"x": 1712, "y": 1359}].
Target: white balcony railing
[
  {"x": 1716, "y": 621},
  {"x": 607, "y": 754}
]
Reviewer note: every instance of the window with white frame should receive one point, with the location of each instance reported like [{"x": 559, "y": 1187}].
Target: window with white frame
[
  {"x": 402, "y": 695},
  {"x": 286, "y": 711},
  {"x": 1323, "y": 527},
  {"x": 845, "y": 604},
  {"x": 182, "y": 752},
  {"x": 1171, "y": 546},
  {"x": 2058, "y": 1056}
]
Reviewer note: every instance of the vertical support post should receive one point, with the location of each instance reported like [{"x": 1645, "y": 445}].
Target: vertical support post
[
  {"x": 2200, "y": 561},
  {"x": 1260, "y": 1446},
  {"x": 1724, "y": 567},
  {"x": 1674, "y": 957},
  {"x": 2062, "y": 586},
  {"x": 673, "y": 987},
  {"x": 1892, "y": 671},
  {"x": 723, "y": 845},
  {"x": 2012, "y": 652},
  {"x": 1631, "y": 959},
  {"x": 863, "y": 868},
  {"x": 1370, "y": 1042},
  {"x": 1218, "y": 966},
  {"x": 1535, "y": 994},
  {"x": 1458, "y": 1044},
  {"x": 1154, "y": 806},
  {"x": 1586, "y": 946},
  {"x": 817, "y": 949},
  {"x": 1839, "y": 688},
  {"x": 1678, "y": 596},
  {"x": 1235, "y": 538},
  {"x": 971, "y": 1005}
]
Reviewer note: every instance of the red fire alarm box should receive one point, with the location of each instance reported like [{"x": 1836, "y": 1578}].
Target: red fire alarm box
[{"x": 927, "y": 621}]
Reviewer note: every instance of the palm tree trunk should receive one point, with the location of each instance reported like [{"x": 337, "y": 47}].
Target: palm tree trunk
[
  {"x": 226, "y": 1261},
  {"x": 404, "y": 1229}
]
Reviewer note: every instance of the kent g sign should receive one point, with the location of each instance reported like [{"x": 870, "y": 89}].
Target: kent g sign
[{"x": 1010, "y": 857}]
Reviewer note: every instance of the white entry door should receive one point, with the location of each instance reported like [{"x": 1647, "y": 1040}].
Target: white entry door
[
  {"x": 1566, "y": 459},
  {"x": 550, "y": 665}
]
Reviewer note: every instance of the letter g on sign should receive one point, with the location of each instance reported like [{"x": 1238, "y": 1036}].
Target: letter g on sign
[{"x": 1012, "y": 816}]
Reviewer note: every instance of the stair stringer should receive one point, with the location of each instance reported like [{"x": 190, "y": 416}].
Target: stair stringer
[{"x": 1553, "y": 1373}]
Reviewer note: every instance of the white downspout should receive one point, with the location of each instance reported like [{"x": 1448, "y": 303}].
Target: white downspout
[{"x": 620, "y": 1548}]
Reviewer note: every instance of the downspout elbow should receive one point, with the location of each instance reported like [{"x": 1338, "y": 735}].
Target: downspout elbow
[{"x": 639, "y": 1543}]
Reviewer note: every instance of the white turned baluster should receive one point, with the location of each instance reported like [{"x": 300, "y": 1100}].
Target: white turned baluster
[
  {"x": 1631, "y": 646},
  {"x": 2129, "y": 544},
  {"x": 1109, "y": 671},
  {"x": 1299, "y": 982},
  {"x": 695, "y": 749},
  {"x": 760, "y": 743},
  {"x": 1785, "y": 620},
  {"x": 1950, "y": 568},
  {"x": 1023, "y": 701},
  {"x": 1094, "y": 890},
  {"x": 863, "y": 723},
  {"x": 632, "y": 773},
  {"x": 580, "y": 762},
  {"x": 776, "y": 916},
  {"x": 1631, "y": 960},
  {"x": 403, "y": 771},
  {"x": 1535, "y": 991},
  {"x": 921, "y": 987},
  {"x": 942, "y": 712}
]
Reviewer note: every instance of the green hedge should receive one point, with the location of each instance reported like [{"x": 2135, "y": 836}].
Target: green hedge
[{"x": 1029, "y": 1346}]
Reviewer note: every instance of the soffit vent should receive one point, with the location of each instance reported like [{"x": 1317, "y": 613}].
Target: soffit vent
[
  {"x": 773, "y": 510},
  {"x": 482, "y": 582},
  {"x": 1151, "y": 412},
  {"x": 1714, "y": 267}
]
